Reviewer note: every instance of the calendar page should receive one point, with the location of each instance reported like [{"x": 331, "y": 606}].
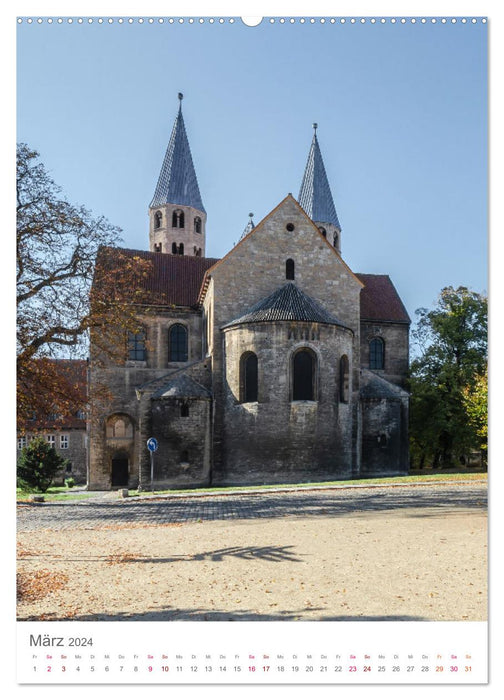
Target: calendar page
[{"x": 252, "y": 353}]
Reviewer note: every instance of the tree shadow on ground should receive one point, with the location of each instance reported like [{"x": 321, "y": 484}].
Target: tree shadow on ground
[
  {"x": 266, "y": 553},
  {"x": 200, "y": 615},
  {"x": 335, "y": 503}
]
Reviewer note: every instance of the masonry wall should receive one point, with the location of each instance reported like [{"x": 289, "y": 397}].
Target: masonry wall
[
  {"x": 255, "y": 268},
  {"x": 183, "y": 456},
  {"x": 384, "y": 436},
  {"x": 113, "y": 392},
  {"x": 396, "y": 338},
  {"x": 166, "y": 234},
  {"x": 276, "y": 439}
]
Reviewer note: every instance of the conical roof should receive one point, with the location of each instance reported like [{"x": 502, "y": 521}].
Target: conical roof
[
  {"x": 315, "y": 194},
  {"x": 287, "y": 303},
  {"x": 177, "y": 183}
]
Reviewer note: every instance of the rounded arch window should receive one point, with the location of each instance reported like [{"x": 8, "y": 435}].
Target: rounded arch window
[
  {"x": 344, "y": 379},
  {"x": 304, "y": 375},
  {"x": 289, "y": 269},
  {"x": 197, "y": 224},
  {"x": 158, "y": 219},
  {"x": 322, "y": 231},
  {"x": 177, "y": 343},
  {"x": 335, "y": 240},
  {"x": 377, "y": 353},
  {"x": 119, "y": 427},
  {"x": 178, "y": 219},
  {"x": 249, "y": 377}
]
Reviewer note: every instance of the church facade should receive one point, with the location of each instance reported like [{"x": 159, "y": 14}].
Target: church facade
[{"x": 274, "y": 364}]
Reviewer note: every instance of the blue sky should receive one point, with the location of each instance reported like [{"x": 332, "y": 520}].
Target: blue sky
[{"x": 401, "y": 109}]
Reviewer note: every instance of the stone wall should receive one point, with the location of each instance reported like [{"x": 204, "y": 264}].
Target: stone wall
[
  {"x": 255, "y": 268},
  {"x": 276, "y": 438},
  {"x": 113, "y": 392},
  {"x": 396, "y": 339},
  {"x": 384, "y": 436}
]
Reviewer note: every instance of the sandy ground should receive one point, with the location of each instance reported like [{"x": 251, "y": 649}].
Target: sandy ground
[{"x": 392, "y": 565}]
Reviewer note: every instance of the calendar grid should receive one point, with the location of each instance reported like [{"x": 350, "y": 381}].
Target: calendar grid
[{"x": 311, "y": 653}]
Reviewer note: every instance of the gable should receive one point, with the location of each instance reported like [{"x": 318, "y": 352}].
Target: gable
[{"x": 256, "y": 267}]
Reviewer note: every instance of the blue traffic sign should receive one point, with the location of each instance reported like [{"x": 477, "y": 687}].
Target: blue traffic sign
[{"x": 152, "y": 444}]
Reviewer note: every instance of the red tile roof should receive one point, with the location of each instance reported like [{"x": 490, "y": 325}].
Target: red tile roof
[
  {"x": 380, "y": 300},
  {"x": 172, "y": 280},
  {"x": 175, "y": 280}
]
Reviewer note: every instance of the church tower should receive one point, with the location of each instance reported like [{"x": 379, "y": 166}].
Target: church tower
[
  {"x": 315, "y": 196},
  {"x": 177, "y": 217}
]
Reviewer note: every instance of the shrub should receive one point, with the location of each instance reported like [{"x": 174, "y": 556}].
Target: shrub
[
  {"x": 38, "y": 464},
  {"x": 70, "y": 483}
]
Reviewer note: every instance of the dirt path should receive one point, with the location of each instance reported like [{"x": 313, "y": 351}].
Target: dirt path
[{"x": 409, "y": 564}]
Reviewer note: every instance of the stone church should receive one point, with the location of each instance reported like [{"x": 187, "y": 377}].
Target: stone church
[{"x": 274, "y": 364}]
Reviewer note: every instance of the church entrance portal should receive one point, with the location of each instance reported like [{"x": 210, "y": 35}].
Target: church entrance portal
[{"x": 120, "y": 472}]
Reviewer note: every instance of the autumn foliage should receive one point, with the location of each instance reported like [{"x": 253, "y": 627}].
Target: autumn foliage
[{"x": 57, "y": 247}]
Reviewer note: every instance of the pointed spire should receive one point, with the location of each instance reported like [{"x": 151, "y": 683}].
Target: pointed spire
[
  {"x": 248, "y": 228},
  {"x": 315, "y": 194},
  {"x": 177, "y": 183}
]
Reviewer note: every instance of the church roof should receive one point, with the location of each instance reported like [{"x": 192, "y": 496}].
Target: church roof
[
  {"x": 170, "y": 280},
  {"x": 315, "y": 194},
  {"x": 379, "y": 300},
  {"x": 181, "y": 386},
  {"x": 175, "y": 280},
  {"x": 375, "y": 387},
  {"x": 287, "y": 303},
  {"x": 177, "y": 183}
]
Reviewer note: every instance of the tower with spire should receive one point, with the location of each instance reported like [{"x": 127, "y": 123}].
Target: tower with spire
[
  {"x": 177, "y": 217},
  {"x": 316, "y": 198}
]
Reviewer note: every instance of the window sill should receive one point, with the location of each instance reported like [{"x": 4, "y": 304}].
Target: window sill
[{"x": 135, "y": 363}]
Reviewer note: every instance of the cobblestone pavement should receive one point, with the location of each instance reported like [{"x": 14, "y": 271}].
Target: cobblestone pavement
[{"x": 107, "y": 510}]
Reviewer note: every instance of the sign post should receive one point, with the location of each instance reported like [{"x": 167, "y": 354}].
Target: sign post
[{"x": 152, "y": 445}]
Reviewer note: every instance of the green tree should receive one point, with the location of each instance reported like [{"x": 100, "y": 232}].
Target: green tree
[
  {"x": 452, "y": 343},
  {"x": 476, "y": 404},
  {"x": 38, "y": 464}
]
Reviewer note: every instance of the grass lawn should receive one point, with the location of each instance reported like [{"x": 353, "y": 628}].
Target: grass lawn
[{"x": 62, "y": 493}]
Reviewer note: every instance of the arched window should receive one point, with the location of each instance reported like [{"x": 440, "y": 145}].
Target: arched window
[
  {"x": 248, "y": 378},
  {"x": 178, "y": 219},
  {"x": 119, "y": 426},
  {"x": 174, "y": 249},
  {"x": 323, "y": 231},
  {"x": 335, "y": 240},
  {"x": 158, "y": 219},
  {"x": 177, "y": 343},
  {"x": 136, "y": 346},
  {"x": 181, "y": 249},
  {"x": 303, "y": 376},
  {"x": 184, "y": 410},
  {"x": 344, "y": 379},
  {"x": 158, "y": 247},
  {"x": 197, "y": 224},
  {"x": 376, "y": 354},
  {"x": 289, "y": 269}
]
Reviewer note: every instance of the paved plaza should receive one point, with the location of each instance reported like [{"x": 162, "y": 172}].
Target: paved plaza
[
  {"x": 352, "y": 553},
  {"x": 106, "y": 509}
]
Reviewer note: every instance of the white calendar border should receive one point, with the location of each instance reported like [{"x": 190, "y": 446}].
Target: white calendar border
[{"x": 255, "y": 9}]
